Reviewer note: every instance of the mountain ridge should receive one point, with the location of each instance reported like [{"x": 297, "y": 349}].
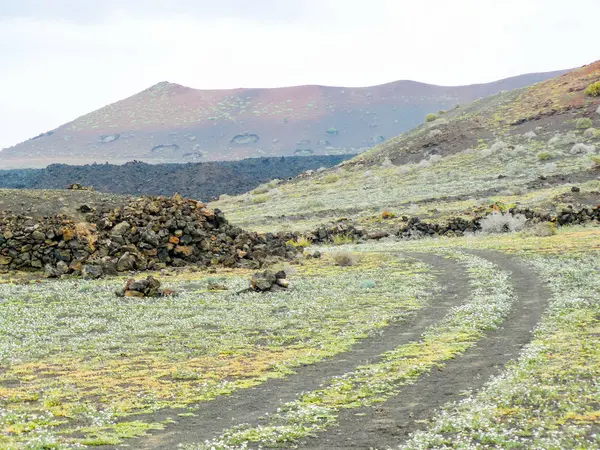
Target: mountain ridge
[{"x": 172, "y": 123}]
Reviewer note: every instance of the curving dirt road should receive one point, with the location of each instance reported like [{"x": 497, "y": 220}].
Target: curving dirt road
[
  {"x": 390, "y": 423},
  {"x": 248, "y": 405}
]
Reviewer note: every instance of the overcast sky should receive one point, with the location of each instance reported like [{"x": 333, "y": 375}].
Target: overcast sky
[{"x": 60, "y": 59}]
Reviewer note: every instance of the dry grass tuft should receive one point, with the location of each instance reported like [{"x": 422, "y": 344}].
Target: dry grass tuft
[{"x": 344, "y": 259}]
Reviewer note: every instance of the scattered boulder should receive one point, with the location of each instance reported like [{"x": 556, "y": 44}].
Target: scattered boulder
[
  {"x": 79, "y": 187},
  {"x": 92, "y": 272},
  {"x": 269, "y": 281},
  {"x": 126, "y": 262},
  {"x": 342, "y": 227},
  {"x": 377, "y": 235},
  {"x": 51, "y": 272},
  {"x": 85, "y": 209},
  {"x": 149, "y": 287}
]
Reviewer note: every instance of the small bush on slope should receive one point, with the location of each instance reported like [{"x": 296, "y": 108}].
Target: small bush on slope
[
  {"x": 584, "y": 123},
  {"x": 330, "y": 178},
  {"x": 343, "y": 239},
  {"x": 593, "y": 89},
  {"x": 579, "y": 149},
  {"x": 431, "y": 117},
  {"x": 260, "y": 199},
  {"x": 261, "y": 190}
]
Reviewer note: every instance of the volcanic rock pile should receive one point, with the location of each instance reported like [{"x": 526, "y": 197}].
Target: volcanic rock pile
[
  {"x": 342, "y": 227},
  {"x": 144, "y": 233},
  {"x": 458, "y": 226},
  {"x": 414, "y": 227}
]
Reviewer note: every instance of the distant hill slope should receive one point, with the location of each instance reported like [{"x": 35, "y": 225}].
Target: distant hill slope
[
  {"x": 538, "y": 146},
  {"x": 172, "y": 123},
  {"x": 202, "y": 181}
]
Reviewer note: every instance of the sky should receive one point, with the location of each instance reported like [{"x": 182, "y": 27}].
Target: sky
[{"x": 60, "y": 59}]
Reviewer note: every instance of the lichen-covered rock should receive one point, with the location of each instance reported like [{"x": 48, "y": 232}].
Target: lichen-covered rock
[
  {"x": 92, "y": 272},
  {"x": 126, "y": 262},
  {"x": 51, "y": 272},
  {"x": 149, "y": 287},
  {"x": 269, "y": 281}
]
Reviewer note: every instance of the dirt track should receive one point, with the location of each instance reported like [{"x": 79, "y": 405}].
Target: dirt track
[{"x": 390, "y": 423}]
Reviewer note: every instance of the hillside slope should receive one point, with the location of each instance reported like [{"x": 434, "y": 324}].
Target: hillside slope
[
  {"x": 172, "y": 123},
  {"x": 536, "y": 146}
]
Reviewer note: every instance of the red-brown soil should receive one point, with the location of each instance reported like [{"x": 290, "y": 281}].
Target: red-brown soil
[{"x": 172, "y": 123}]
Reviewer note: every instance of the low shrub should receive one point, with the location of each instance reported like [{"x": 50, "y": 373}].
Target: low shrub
[
  {"x": 592, "y": 133},
  {"x": 387, "y": 163},
  {"x": 301, "y": 242},
  {"x": 344, "y": 259},
  {"x": 595, "y": 161},
  {"x": 593, "y": 89},
  {"x": 261, "y": 190},
  {"x": 515, "y": 169},
  {"x": 431, "y": 117},
  {"x": 498, "y": 222},
  {"x": 343, "y": 239},
  {"x": 584, "y": 123},
  {"x": 330, "y": 179},
  {"x": 498, "y": 146},
  {"x": 542, "y": 229},
  {"x": 257, "y": 199},
  {"x": 579, "y": 149},
  {"x": 566, "y": 139},
  {"x": 545, "y": 156}
]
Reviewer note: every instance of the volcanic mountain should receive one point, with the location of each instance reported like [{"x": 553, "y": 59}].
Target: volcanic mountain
[
  {"x": 170, "y": 123},
  {"x": 537, "y": 146}
]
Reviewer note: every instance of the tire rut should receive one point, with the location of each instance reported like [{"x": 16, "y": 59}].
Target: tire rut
[
  {"x": 390, "y": 424},
  {"x": 248, "y": 405}
]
